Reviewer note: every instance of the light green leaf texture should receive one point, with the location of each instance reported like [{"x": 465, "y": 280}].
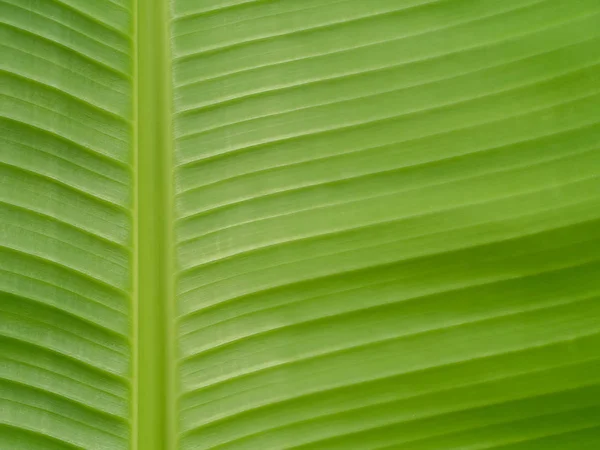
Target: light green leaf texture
[{"x": 300, "y": 224}]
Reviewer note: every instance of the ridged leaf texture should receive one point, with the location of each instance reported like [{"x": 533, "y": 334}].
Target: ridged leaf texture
[{"x": 300, "y": 224}]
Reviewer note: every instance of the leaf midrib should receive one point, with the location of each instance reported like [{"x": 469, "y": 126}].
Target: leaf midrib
[{"x": 153, "y": 390}]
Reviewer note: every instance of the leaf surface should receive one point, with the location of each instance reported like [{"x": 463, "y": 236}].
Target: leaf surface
[
  {"x": 65, "y": 225},
  {"x": 269, "y": 224}
]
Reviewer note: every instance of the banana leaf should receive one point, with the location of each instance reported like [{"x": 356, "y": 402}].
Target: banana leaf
[{"x": 300, "y": 224}]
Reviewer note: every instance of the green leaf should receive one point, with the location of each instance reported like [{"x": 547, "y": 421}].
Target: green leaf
[{"x": 277, "y": 224}]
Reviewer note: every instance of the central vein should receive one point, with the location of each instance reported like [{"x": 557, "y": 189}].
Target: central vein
[{"x": 153, "y": 391}]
